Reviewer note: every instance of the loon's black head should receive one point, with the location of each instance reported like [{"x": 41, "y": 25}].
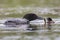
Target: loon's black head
[
  {"x": 30, "y": 16},
  {"x": 49, "y": 19}
]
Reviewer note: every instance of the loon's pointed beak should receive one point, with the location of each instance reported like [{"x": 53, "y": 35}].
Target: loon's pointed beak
[{"x": 40, "y": 18}]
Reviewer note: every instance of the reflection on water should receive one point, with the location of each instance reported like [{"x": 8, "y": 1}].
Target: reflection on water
[{"x": 40, "y": 34}]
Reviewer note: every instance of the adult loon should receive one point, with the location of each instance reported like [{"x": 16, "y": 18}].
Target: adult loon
[{"x": 27, "y": 18}]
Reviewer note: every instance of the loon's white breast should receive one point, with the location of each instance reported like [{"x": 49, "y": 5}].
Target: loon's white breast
[{"x": 37, "y": 22}]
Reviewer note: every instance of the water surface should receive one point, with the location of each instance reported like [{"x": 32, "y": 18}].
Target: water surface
[{"x": 18, "y": 33}]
